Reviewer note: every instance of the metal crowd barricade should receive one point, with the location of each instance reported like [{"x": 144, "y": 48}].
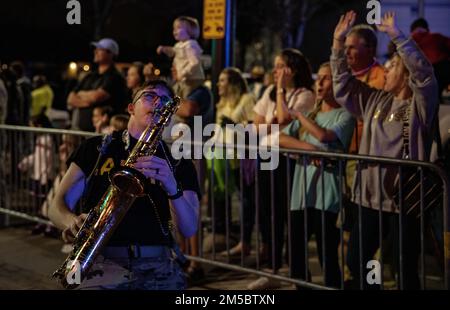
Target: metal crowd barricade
[
  {"x": 29, "y": 164},
  {"x": 18, "y": 199},
  {"x": 253, "y": 264}
]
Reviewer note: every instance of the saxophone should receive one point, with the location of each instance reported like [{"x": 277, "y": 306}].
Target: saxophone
[{"x": 126, "y": 185}]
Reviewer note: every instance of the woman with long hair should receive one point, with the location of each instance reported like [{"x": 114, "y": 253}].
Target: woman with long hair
[
  {"x": 293, "y": 90},
  {"x": 328, "y": 127},
  {"x": 135, "y": 76},
  {"x": 235, "y": 106}
]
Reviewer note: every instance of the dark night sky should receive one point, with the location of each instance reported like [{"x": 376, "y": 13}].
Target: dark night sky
[{"x": 38, "y": 31}]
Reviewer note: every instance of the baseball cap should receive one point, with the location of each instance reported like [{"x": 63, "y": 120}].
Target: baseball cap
[{"x": 107, "y": 44}]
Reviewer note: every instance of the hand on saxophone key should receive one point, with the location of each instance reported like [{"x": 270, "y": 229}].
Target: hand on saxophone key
[
  {"x": 158, "y": 169},
  {"x": 68, "y": 234}
]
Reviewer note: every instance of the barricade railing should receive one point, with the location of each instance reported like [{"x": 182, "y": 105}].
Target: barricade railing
[
  {"x": 31, "y": 160},
  {"x": 392, "y": 246},
  {"x": 252, "y": 206}
]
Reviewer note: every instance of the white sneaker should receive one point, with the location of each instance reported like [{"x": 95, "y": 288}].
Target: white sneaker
[{"x": 264, "y": 283}]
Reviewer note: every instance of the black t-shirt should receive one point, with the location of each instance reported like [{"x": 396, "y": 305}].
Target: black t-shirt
[
  {"x": 140, "y": 225},
  {"x": 113, "y": 83}
]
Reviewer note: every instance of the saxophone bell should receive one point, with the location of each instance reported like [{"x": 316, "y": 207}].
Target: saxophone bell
[{"x": 129, "y": 180}]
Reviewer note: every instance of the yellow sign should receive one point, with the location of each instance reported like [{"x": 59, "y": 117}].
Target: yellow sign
[{"x": 214, "y": 19}]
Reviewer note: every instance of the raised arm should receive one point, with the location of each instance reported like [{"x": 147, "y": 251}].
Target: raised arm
[
  {"x": 421, "y": 76},
  {"x": 348, "y": 91},
  {"x": 167, "y": 50},
  {"x": 281, "y": 103}
]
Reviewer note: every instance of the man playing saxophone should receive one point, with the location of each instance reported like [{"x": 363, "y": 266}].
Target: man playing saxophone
[{"x": 139, "y": 253}]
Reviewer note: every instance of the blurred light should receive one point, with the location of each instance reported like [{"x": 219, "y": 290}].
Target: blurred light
[
  {"x": 157, "y": 72},
  {"x": 73, "y": 66},
  {"x": 86, "y": 67},
  {"x": 4, "y": 66}
]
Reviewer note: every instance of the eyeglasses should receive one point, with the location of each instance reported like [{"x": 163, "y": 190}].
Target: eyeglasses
[{"x": 153, "y": 97}]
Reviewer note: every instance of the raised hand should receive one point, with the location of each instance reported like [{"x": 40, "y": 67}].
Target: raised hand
[
  {"x": 388, "y": 26},
  {"x": 344, "y": 25},
  {"x": 285, "y": 75}
]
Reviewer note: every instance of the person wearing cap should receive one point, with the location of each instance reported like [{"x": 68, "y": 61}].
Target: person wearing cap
[{"x": 103, "y": 86}]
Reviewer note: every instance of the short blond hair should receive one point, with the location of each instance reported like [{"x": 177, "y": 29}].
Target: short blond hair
[{"x": 193, "y": 27}]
